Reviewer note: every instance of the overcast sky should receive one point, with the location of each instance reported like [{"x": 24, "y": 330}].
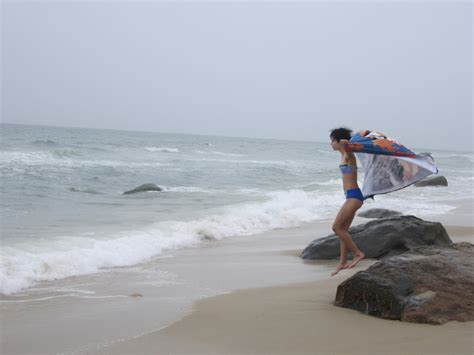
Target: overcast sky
[{"x": 290, "y": 70}]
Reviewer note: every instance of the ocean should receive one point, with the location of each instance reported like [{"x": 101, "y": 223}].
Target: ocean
[{"x": 63, "y": 211}]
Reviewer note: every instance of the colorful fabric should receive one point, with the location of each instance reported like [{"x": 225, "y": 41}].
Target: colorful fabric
[
  {"x": 377, "y": 143},
  {"x": 388, "y": 165}
]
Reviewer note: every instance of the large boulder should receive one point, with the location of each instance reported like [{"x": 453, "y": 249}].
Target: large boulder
[
  {"x": 143, "y": 188},
  {"x": 432, "y": 181},
  {"x": 382, "y": 238},
  {"x": 424, "y": 285},
  {"x": 378, "y": 213}
]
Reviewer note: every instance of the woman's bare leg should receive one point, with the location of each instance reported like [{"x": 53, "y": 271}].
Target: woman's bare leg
[
  {"x": 344, "y": 247},
  {"x": 343, "y": 258},
  {"x": 341, "y": 226},
  {"x": 347, "y": 225}
]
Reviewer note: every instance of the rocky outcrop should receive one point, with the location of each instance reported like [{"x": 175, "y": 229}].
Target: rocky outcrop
[
  {"x": 432, "y": 181},
  {"x": 143, "y": 188},
  {"x": 378, "y": 213},
  {"x": 425, "y": 285},
  {"x": 382, "y": 238}
]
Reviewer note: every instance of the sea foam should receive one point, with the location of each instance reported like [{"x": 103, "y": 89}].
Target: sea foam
[
  {"x": 62, "y": 257},
  {"x": 162, "y": 150}
]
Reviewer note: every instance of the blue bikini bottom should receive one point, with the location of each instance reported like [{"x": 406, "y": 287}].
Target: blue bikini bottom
[{"x": 354, "y": 193}]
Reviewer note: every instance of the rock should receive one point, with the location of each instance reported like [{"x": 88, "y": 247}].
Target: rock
[
  {"x": 425, "y": 285},
  {"x": 143, "y": 188},
  {"x": 432, "y": 181},
  {"x": 382, "y": 238},
  {"x": 136, "y": 295},
  {"x": 378, "y": 213}
]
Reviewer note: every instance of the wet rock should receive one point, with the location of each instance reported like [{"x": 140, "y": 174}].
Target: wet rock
[
  {"x": 378, "y": 213},
  {"x": 432, "y": 181},
  {"x": 382, "y": 238},
  {"x": 425, "y": 285},
  {"x": 143, "y": 188}
]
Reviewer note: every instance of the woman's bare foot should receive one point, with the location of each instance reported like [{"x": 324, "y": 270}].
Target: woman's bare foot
[
  {"x": 358, "y": 257},
  {"x": 340, "y": 267}
]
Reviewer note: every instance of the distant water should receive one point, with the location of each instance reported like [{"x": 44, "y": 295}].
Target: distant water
[{"x": 63, "y": 212}]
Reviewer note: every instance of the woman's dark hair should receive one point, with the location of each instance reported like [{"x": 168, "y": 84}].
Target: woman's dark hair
[{"x": 341, "y": 133}]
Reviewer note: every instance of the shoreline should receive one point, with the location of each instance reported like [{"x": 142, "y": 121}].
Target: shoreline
[
  {"x": 300, "y": 318},
  {"x": 145, "y": 307},
  {"x": 97, "y": 310}
]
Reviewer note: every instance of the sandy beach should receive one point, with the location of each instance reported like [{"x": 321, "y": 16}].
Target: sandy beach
[
  {"x": 296, "y": 319},
  {"x": 301, "y": 319},
  {"x": 245, "y": 295}
]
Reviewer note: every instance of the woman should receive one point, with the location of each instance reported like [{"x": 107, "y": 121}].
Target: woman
[{"x": 354, "y": 199}]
